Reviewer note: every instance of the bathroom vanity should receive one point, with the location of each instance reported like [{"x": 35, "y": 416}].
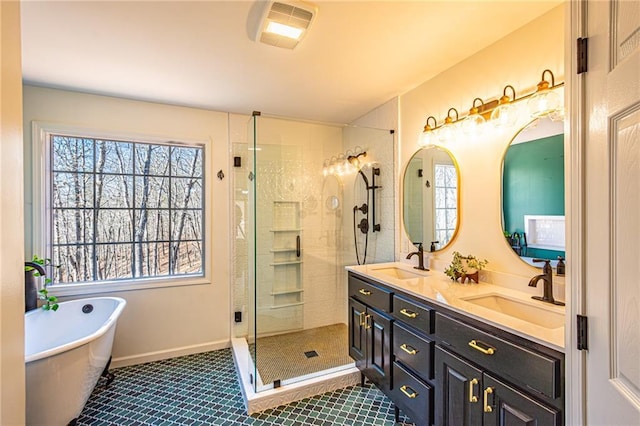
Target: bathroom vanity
[{"x": 456, "y": 354}]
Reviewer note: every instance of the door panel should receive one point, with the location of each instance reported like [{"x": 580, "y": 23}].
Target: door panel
[
  {"x": 507, "y": 406},
  {"x": 459, "y": 396},
  {"x": 611, "y": 216},
  {"x": 357, "y": 335},
  {"x": 379, "y": 356},
  {"x": 625, "y": 291}
]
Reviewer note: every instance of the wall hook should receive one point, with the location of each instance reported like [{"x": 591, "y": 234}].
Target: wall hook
[{"x": 220, "y": 175}]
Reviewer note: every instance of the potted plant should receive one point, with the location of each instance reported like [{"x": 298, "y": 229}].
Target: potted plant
[
  {"x": 36, "y": 267},
  {"x": 465, "y": 267}
]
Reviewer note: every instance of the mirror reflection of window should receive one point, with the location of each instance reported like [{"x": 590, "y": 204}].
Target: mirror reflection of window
[
  {"x": 446, "y": 184},
  {"x": 430, "y": 198}
]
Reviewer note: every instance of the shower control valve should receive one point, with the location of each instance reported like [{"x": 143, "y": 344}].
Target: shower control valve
[{"x": 364, "y": 226}]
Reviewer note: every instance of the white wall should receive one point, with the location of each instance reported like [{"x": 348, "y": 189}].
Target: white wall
[
  {"x": 12, "y": 382},
  {"x": 519, "y": 60},
  {"x": 162, "y": 322}
]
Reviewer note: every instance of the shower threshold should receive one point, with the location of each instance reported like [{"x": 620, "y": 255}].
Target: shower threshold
[{"x": 290, "y": 390}]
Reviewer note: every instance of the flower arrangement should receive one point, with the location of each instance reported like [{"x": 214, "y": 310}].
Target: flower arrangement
[{"x": 465, "y": 267}]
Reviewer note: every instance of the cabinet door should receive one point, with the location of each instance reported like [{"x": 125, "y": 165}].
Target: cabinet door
[
  {"x": 507, "y": 406},
  {"x": 378, "y": 328},
  {"x": 357, "y": 334},
  {"x": 459, "y": 395}
]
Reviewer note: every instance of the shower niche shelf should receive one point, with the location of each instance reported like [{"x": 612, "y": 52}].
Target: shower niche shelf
[{"x": 286, "y": 250}]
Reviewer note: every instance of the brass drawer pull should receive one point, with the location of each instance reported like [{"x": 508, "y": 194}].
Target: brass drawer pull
[
  {"x": 408, "y": 313},
  {"x": 487, "y": 407},
  {"x": 472, "y": 397},
  {"x": 411, "y": 394},
  {"x": 365, "y": 292},
  {"x": 488, "y": 351},
  {"x": 362, "y": 319},
  {"x": 408, "y": 349}
]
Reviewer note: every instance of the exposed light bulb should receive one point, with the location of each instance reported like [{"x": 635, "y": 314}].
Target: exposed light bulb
[
  {"x": 447, "y": 133},
  {"x": 449, "y": 130},
  {"x": 429, "y": 134},
  {"x": 505, "y": 114},
  {"x": 544, "y": 101}
]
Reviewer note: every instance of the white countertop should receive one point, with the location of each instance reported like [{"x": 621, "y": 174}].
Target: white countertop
[{"x": 436, "y": 287}]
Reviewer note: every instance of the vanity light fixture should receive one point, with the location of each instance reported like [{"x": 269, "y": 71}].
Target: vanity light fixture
[
  {"x": 429, "y": 134},
  {"x": 505, "y": 114},
  {"x": 344, "y": 163},
  {"x": 448, "y": 129},
  {"x": 544, "y": 101},
  {"x": 502, "y": 112},
  {"x": 472, "y": 124}
]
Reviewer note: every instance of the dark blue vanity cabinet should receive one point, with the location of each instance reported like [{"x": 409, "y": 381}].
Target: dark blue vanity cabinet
[
  {"x": 444, "y": 368},
  {"x": 370, "y": 331}
]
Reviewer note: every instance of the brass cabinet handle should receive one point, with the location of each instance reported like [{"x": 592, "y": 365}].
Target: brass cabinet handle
[
  {"x": 408, "y": 349},
  {"x": 367, "y": 321},
  {"x": 365, "y": 292},
  {"x": 472, "y": 397},
  {"x": 488, "y": 351},
  {"x": 408, "y": 313},
  {"x": 411, "y": 394},
  {"x": 487, "y": 407},
  {"x": 362, "y": 319}
]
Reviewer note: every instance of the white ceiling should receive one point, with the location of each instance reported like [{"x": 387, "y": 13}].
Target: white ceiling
[{"x": 358, "y": 54}]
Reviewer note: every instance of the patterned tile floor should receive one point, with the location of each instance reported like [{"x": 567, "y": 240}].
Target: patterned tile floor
[{"x": 203, "y": 389}]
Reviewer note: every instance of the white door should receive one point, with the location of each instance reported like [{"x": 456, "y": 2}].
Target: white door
[{"x": 612, "y": 212}]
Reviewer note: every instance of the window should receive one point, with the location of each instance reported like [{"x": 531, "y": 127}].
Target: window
[
  {"x": 124, "y": 210},
  {"x": 446, "y": 182}
]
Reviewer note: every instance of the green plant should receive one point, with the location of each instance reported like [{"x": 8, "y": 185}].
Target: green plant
[
  {"x": 507, "y": 234},
  {"x": 50, "y": 302},
  {"x": 460, "y": 263}
]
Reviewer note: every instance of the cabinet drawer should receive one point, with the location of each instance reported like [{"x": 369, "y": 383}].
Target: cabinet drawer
[
  {"x": 413, "y": 397},
  {"x": 413, "y": 313},
  {"x": 413, "y": 351},
  {"x": 527, "y": 368},
  {"x": 371, "y": 294}
]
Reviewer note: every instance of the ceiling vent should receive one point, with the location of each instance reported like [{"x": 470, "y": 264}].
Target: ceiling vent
[{"x": 285, "y": 23}]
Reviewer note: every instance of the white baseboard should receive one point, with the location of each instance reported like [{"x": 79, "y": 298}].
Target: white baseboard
[{"x": 169, "y": 353}]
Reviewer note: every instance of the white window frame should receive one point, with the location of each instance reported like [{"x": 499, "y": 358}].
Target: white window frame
[
  {"x": 41, "y": 208},
  {"x": 435, "y": 226}
]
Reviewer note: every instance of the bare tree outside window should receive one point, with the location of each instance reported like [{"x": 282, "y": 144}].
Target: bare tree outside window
[
  {"x": 124, "y": 210},
  {"x": 446, "y": 199}
]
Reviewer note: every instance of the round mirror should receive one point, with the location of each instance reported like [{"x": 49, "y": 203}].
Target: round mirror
[
  {"x": 431, "y": 188},
  {"x": 533, "y": 192}
]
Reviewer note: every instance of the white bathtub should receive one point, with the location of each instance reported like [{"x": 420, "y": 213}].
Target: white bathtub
[{"x": 65, "y": 353}]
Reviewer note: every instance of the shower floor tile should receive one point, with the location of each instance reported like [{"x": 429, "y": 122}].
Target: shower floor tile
[{"x": 203, "y": 389}]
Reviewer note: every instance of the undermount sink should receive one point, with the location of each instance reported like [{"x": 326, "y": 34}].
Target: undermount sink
[
  {"x": 529, "y": 312},
  {"x": 398, "y": 273}
]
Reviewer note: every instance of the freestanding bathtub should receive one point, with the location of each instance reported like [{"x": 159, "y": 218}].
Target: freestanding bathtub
[{"x": 65, "y": 353}]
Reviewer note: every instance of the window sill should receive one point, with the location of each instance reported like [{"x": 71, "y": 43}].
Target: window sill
[{"x": 64, "y": 290}]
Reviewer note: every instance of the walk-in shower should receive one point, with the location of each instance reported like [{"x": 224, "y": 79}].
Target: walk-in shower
[{"x": 293, "y": 238}]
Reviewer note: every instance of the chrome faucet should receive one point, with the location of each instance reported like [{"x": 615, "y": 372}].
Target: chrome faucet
[
  {"x": 420, "y": 254},
  {"x": 547, "y": 279}
]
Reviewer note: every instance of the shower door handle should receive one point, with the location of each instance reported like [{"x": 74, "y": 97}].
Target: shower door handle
[{"x": 298, "y": 246}]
